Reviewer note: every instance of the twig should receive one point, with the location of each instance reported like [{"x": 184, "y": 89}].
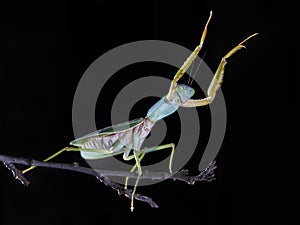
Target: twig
[
  {"x": 16, "y": 173},
  {"x": 102, "y": 175},
  {"x": 206, "y": 175}
]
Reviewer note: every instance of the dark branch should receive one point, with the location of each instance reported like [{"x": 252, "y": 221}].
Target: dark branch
[
  {"x": 102, "y": 175},
  {"x": 9, "y": 162}
]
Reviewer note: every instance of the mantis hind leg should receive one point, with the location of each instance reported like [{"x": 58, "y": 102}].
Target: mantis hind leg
[
  {"x": 46, "y": 160},
  {"x": 102, "y": 153}
]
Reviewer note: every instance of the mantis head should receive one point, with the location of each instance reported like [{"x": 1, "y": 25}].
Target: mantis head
[{"x": 184, "y": 92}]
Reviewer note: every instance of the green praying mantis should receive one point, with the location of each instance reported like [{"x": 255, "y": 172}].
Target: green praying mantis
[{"x": 127, "y": 138}]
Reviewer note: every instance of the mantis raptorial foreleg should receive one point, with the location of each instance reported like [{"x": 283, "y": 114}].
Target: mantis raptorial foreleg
[
  {"x": 217, "y": 79},
  {"x": 188, "y": 62}
]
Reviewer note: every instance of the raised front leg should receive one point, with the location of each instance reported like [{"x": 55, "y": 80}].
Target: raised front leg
[
  {"x": 217, "y": 79},
  {"x": 187, "y": 63}
]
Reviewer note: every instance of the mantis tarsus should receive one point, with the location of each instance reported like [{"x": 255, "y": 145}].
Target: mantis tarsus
[{"x": 129, "y": 137}]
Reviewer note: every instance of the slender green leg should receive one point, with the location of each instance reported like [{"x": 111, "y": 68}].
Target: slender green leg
[
  {"x": 133, "y": 168},
  {"x": 152, "y": 149},
  {"x": 161, "y": 147},
  {"x": 102, "y": 154},
  {"x": 45, "y": 160},
  {"x": 138, "y": 164}
]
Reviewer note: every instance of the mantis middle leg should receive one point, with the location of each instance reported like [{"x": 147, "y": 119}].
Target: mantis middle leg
[
  {"x": 139, "y": 155},
  {"x": 153, "y": 149}
]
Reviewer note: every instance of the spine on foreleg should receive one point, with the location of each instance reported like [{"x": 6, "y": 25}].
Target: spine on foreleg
[{"x": 217, "y": 80}]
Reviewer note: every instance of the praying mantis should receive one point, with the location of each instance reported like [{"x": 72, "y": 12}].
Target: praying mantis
[{"x": 127, "y": 138}]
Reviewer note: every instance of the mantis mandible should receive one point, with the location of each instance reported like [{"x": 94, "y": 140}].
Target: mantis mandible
[{"x": 127, "y": 138}]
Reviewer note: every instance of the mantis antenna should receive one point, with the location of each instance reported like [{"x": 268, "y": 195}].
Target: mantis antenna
[{"x": 190, "y": 81}]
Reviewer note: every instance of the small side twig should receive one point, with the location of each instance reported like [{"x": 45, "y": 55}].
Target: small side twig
[
  {"x": 120, "y": 189},
  {"x": 205, "y": 175},
  {"x": 17, "y": 173}
]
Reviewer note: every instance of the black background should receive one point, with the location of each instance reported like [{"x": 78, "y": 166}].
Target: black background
[{"x": 45, "y": 47}]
